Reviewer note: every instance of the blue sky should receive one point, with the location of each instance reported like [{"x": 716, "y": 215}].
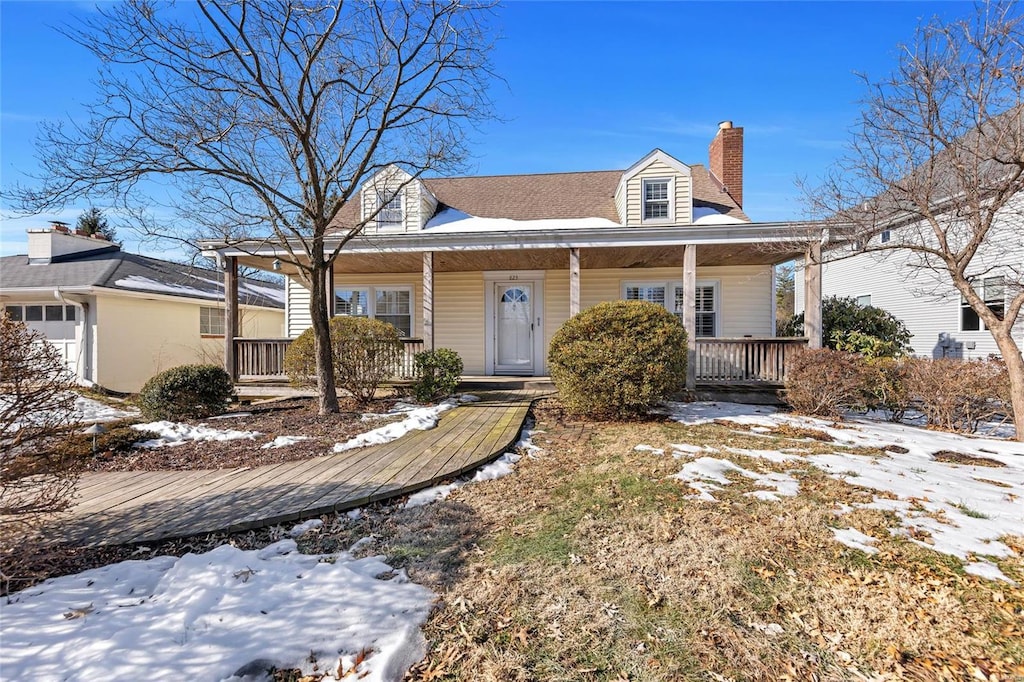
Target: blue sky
[{"x": 588, "y": 86}]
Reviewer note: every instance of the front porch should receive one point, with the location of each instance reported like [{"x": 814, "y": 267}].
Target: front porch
[
  {"x": 498, "y": 298},
  {"x": 742, "y": 362}
]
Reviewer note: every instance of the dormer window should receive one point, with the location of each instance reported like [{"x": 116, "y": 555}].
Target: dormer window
[
  {"x": 656, "y": 200},
  {"x": 390, "y": 214}
]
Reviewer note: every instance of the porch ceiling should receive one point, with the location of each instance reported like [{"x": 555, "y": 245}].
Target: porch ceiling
[{"x": 558, "y": 259}]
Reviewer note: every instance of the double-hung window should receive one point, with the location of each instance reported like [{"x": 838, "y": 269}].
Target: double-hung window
[
  {"x": 656, "y": 200},
  {"x": 390, "y": 214},
  {"x": 385, "y": 303},
  {"x": 211, "y": 321},
  {"x": 705, "y": 301},
  {"x": 993, "y": 291}
]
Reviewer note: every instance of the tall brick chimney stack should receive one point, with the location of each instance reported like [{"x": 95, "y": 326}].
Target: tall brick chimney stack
[{"x": 725, "y": 160}]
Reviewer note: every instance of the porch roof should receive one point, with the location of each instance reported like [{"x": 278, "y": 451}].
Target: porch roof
[{"x": 601, "y": 246}]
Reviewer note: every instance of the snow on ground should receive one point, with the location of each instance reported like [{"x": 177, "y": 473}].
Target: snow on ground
[
  {"x": 851, "y": 537},
  {"x": 502, "y": 466},
  {"x": 418, "y": 418},
  {"x": 958, "y": 509},
  {"x": 176, "y": 433},
  {"x": 221, "y": 615},
  {"x": 89, "y": 411},
  {"x": 284, "y": 441}
]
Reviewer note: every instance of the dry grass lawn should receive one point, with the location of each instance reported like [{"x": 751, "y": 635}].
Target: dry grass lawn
[{"x": 589, "y": 563}]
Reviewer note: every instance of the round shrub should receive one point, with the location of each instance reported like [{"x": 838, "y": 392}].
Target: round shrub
[
  {"x": 618, "y": 359},
  {"x": 437, "y": 373},
  {"x": 365, "y": 353},
  {"x": 188, "y": 391},
  {"x": 824, "y": 382}
]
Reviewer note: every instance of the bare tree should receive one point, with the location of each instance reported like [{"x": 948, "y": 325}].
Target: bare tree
[
  {"x": 36, "y": 403},
  {"x": 267, "y": 117},
  {"x": 935, "y": 171}
]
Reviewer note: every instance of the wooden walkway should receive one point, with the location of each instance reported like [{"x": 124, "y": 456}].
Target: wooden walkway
[{"x": 147, "y": 506}]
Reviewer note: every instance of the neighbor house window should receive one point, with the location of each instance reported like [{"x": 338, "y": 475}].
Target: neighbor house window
[
  {"x": 656, "y": 202},
  {"x": 211, "y": 321},
  {"x": 15, "y": 312},
  {"x": 47, "y": 313},
  {"x": 864, "y": 301},
  {"x": 387, "y": 304},
  {"x": 390, "y": 214},
  {"x": 705, "y": 301},
  {"x": 992, "y": 291},
  {"x": 33, "y": 313},
  {"x": 885, "y": 236}
]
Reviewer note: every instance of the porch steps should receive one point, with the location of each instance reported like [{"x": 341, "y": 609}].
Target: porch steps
[
  {"x": 468, "y": 384},
  {"x": 744, "y": 392}
]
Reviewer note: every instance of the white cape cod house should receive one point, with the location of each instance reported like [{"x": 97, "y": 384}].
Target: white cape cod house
[{"x": 491, "y": 266}]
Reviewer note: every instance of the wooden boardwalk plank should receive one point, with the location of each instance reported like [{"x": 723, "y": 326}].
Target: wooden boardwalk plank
[{"x": 147, "y": 506}]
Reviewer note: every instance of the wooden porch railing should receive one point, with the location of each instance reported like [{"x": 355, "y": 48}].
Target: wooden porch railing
[
  {"x": 745, "y": 359},
  {"x": 264, "y": 358}
]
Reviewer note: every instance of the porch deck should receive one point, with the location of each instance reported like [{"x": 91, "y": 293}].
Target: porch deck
[{"x": 148, "y": 506}]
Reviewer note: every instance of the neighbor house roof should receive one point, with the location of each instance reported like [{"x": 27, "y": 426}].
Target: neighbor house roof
[{"x": 115, "y": 269}]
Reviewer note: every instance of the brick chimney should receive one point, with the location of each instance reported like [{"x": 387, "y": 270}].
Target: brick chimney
[{"x": 725, "y": 160}]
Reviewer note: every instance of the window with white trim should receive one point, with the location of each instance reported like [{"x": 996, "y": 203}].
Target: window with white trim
[
  {"x": 211, "y": 321},
  {"x": 993, "y": 291},
  {"x": 705, "y": 301},
  {"x": 656, "y": 204},
  {"x": 387, "y": 304},
  {"x": 390, "y": 214},
  {"x": 885, "y": 236},
  {"x": 864, "y": 301},
  {"x": 41, "y": 313}
]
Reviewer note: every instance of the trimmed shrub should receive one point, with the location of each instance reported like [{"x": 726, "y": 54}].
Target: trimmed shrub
[
  {"x": 187, "y": 391},
  {"x": 958, "y": 394},
  {"x": 890, "y": 390},
  {"x": 437, "y": 373},
  {"x": 618, "y": 359},
  {"x": 365, "y": 353},
  {"x": 825, "y": 382},
  {"x": 842, "y": 316}
]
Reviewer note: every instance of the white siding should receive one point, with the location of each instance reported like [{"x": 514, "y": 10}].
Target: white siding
[
  {"x": 297, "y": 319},
  {"x": 459, "y": 317},
  {"x": 632, "y": 204},
  {"x": 927, "y": 308}
]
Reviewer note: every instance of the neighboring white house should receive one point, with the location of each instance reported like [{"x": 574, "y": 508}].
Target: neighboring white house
[
  {"x": 925, "y": 300},
  {"x": 119, "y": 318},
  {"x": 491, "y": 266}
]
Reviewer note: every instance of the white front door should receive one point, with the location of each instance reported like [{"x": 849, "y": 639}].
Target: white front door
[{"x": 513, "y": 328}]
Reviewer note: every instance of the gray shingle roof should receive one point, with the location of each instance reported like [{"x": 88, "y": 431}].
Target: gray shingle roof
[{"x": 115, "y": 269}]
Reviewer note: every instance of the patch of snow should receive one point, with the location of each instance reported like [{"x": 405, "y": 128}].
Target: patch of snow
[
  {"x": 469, "y": 398},
  {"x": 708, "y": 474},
  {"x": 705, "y": 215},
  {"x": 301, "y": 529},
  {"x": 649, "y": 448},
  {"x": 962, "y": 508},
  {"x": 454, "y": 220},
  {"x": 851, "y": 537},
  {"x": 217, "y": 616},
  {"x": 354, "y": 514},
  {"x": 89, "y": 411},
  {"x": 284, "y": 441},
  {"x": 438, "y": 492},
  {"x": 987, "y": 570},
  {"x": 770, "y": 455},
  {"x": 140, "y": 283},
  {"x": 417, "y": 419},
  {"x": 680, "y": 450},
  {"x": 176, "y": 433}
]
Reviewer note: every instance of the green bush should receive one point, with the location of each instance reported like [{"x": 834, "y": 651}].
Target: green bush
[
  {"x": 365, "y": 353},
  {"x": 618, "y": 359},
  {"x": 188, "y": 391},
  {"x": 437, "y": 373},
  {"x": 847, "y": 325}
]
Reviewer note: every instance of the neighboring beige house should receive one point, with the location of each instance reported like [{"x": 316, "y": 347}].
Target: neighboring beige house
[
  {"x": 492, "y": 266},
  {"x": 119, "y": 318}
]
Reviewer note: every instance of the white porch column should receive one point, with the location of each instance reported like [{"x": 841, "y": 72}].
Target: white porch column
[
  {"x": 812, "y": 295},
  {"x": 574, "y": 281},
  {"x": 690, "y": 312},
  {"x": 428, "y": 300},
  {"x": 230, "y": 315}
]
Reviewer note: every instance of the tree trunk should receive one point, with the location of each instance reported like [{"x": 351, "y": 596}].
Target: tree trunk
[
  {"x": 1015, "y": 368},
  {"x": 326, "y": 390}
]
